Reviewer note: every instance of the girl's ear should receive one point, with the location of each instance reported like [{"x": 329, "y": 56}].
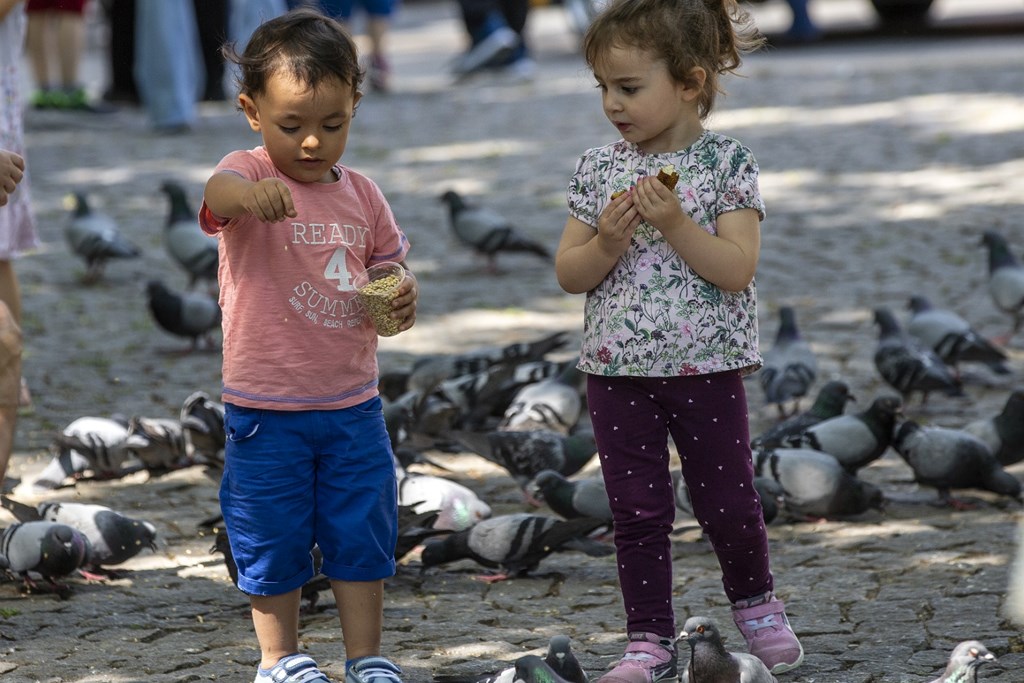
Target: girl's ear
[
  {"x": 252, "y": 114},
  {"x": 693, "y": 85}
]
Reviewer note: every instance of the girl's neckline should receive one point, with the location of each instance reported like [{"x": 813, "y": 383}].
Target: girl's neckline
[{"x": 704, "y": 133}]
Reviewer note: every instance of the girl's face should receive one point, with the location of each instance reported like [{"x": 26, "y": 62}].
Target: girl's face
[
  {"x": 642, "y": 100},
  {"x": 304, "y": 131}
]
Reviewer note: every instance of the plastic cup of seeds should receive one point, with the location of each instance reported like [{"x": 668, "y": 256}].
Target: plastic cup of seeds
[{"x": 377, "y": 287}]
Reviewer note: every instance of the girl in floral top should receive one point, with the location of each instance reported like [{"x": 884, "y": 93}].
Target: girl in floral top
[{"x": 671, "y": 317}]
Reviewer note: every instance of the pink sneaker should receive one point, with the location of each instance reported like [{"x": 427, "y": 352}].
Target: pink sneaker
[
  {"x": 769, "y": 636},
  {"x": 649, "y": 658}
]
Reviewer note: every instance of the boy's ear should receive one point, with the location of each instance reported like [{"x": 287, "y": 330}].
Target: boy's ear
[{"x": 251, "y": 112}]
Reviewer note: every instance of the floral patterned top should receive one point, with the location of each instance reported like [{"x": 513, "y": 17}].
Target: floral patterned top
[{"x": 652, "y": 316}]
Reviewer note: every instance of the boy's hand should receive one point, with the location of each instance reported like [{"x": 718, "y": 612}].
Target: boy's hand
[
  {"x": 403, "y": 306},
  {"x": 269, "y": 200},
  {"x": 12, "y": 170}
]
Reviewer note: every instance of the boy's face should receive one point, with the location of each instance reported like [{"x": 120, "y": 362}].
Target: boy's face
[{"x": 304, "y": 131}]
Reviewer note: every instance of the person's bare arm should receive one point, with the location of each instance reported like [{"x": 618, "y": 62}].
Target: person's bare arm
[
  {"x": 229, "y": 195},
  {"x": 12, "y": 170}
]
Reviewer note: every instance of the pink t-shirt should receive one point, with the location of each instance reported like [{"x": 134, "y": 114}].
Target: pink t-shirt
[{"x": 295, "y": 335}]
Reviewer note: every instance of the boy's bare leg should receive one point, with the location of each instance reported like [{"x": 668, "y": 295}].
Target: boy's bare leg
[
  {"x": 276, "y": 619},
  {"x": 361, "y": 609}
]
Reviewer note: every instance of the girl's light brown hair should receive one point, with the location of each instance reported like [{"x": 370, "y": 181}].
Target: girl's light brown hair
[{"x": 710, "y": 34}]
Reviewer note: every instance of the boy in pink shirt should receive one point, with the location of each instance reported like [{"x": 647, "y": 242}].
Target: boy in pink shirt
[{"x": 307, "y": 459}]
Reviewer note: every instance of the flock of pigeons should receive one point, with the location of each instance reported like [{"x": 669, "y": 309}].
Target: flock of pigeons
[{"x": 525, "y": 412}]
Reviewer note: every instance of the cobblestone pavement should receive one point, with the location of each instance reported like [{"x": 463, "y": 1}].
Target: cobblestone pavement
[{"x": 882, "y": 161}]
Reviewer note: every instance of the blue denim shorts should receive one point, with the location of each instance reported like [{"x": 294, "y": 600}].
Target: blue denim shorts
[{"x": 293, "y": 479}]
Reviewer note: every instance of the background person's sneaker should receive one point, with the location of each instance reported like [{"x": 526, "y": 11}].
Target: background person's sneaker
[
  {"x": 491, "y": 49},
  {"x": 770, "y": 638},
  {"x": 649, "y": 658}
]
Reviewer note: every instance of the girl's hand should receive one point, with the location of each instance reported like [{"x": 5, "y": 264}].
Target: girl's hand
[
  {"x": 657, "y": 204},
  {"x": 269, "y": 200},
  {"x": 617, "y": 223},
  {"x": 403, "y": 306},
  {"x": 12, "y": 170}
]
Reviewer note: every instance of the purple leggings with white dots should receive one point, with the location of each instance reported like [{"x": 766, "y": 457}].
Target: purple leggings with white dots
[{"x": 706, "y": 415}]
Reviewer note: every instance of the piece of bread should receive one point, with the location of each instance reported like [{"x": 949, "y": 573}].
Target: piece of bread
[{"x": 668, "y": 176}]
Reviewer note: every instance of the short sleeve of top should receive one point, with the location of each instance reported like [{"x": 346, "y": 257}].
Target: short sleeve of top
[
  {"x": 652, "y": 316},
  {"x": 295, "y": 335}
]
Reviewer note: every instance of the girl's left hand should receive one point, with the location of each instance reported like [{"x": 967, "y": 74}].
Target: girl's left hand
[
  {"x": 403, "y": 306},
  {"x": 656, "y": 204}
]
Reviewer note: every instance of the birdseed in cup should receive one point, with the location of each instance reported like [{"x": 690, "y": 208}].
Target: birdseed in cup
[{"x": 377, "y": 287}]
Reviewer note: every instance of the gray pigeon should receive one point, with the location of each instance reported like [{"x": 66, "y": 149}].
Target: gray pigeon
[
  {"x": 185, "y": 241},
  {"x": 160, "y": 443},
  {"x": 854, "y": 440},
  {"x": 572, "y": 498},
  {"x": 525, "y": 454},
  {"x": 515, "y": 543},
  {"x": 964, "y": 662},
  {"x": 203, "y": 420},
  {"x": 815, "y": 485},
  {"x": 95, "y": 238},
  {"x": 906, "y": 365},
  {"x": 192, "y": 315},
  {"x": 49, "y": 549},
  {"x": 768, "y": 490},
  {"x": 100, "y": 444},
  {"x": 1005, "y": 281},
  {"x": 952, "y": 337},
  {"x": 1003, "y": 433},
  {"x": 114, "y": 538},
  {"x": 458, "y": 506},
  {"x": 790, "y": 365},
  {"x": 554, "y": 404},
  {"x": 710, "y": 662},
  {"x": 477, "y": 395},
  {"x": 945, "y": 459},
  {"x": 533, "y": 669},
  {"x": 830, "y": 402},
  {"x": 487, "y": 232},
  {"x": 560, "y": 664}
]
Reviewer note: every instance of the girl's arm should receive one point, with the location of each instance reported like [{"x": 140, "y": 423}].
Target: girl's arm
[
  {"x": 12, "y": 170},
  {"x": 229, "y": 195},
  {"x": 6, "y": 6},
  {"x": 585, "y": 257},
  {"x": 727, "y": 260}
]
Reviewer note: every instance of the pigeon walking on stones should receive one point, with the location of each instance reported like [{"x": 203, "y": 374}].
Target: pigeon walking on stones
[
  {"x": 946, "y": 459},
  {"x": 830, "y": 402},
  {"x": 458, "y": 506},
  {"x": 964, "y": 662},
  {"x": 186, "y": 243},
  {"x": 487, "y": 232},
  {"x": 790, "y": 366},
  {"x": 1005, "y": 281},
  {"x": 49, "y": 549},
  {"x": 815, "y": 485},
  {"x": 160, "y": 443},
  {"x": 1003, "y": 433},
  {"x": 710, "y": 662},
  {"x": 114, "y": 538},
  {"x": 515, "y": 543},
  {"x": 572, "y": 498},
  {"x": 100, "y": 444},
  {"x": 768, "y": 490},
  {"x": 192, "y": 315},
  {"x": 203, "y": 420},
  {"x": 95, "y": 237},
  {"x": 560, "y": 663},
  {"x": 906, "y": 365},
  {"x": 555, "y": 404},
  {"x": 854, "y": 440},
  {"x": 952, "y": 337}
]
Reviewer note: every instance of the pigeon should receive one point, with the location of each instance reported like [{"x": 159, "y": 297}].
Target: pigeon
[
  {"x": 908, "y": 366},
  {"x": 1005, "y": 281},
  {"x": 952, "y": 337},
  {"x": 414, "y": 528},
  {"x": 160, "y": 443},
  {"x": 310, "y": 591},
  {"x": 525, "y": 454},
  {"x": 185, "y": 241},
  {"x": 572, "y": 498},
  {"x": 533, "y": 669},
  {"x": 964, "y": 662},
  {"x": 95, "y": 238},
  {"x": 487, "y": 232},
  {"x": 790, "y": 366},
  {"x": 830, "y": 402},
  {"x": 815, "y": 485},
  {"x": 515, "y": 543},
  {"x": 854, "y": 440},
  {"x": 945, "y": 459},
  {"x": 710, "y": 662},
  {"x": 100, "y": 444},
  {"x": 50, "y": 549},
  {"x": 203, "y": 420},
  {"x": 554, "y": 404},
  {"x": 1003, "y": 433},
  {"x": 114, "y": 538},
  {"x": 768, "y": 490},
  {"x": 477, "y": 395},
  {"x": 188, "y": 314},
  {"x": 560, "y": 664},
  {"x": 458, "y": 506}
]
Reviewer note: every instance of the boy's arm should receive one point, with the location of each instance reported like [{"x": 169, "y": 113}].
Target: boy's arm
[{"x": 229, "y": 195}]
